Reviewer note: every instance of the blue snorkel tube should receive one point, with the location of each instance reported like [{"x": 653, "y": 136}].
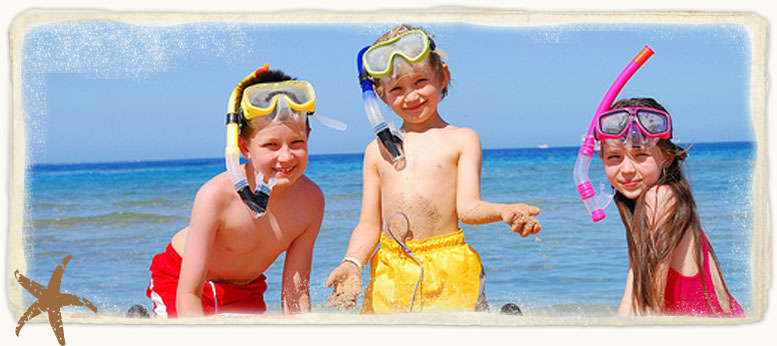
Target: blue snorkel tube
[{"x": 389, "y": 138}]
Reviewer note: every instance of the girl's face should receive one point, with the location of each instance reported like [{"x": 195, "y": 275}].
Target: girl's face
[
  {"x": 632, "y": 170},
  {"x": 415, "y": 94},
  {"x": 279, "y": 150}
]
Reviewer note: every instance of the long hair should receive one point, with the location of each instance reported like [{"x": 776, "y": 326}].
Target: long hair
[{"x": 647, "y": 247}]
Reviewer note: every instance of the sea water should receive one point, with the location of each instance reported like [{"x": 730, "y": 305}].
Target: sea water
[{"x": 114, "y": 217}]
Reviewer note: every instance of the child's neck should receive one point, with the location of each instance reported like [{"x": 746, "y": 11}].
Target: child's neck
[
  {"x": 251, "y": 179},
  {"x": 434, "y": 122}
]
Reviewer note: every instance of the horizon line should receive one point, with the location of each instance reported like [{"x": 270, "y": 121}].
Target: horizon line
[{"x": 541, "y": 147}]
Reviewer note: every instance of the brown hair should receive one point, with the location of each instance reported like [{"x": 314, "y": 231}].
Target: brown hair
[
  {"x": 647, "y": 247},
  {"x": 434, "y": 57},
  {"x": 247, "y": 128}
]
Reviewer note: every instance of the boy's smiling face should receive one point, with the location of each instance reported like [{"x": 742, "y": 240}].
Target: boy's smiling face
[
  {"x": 414, "y": 92},
  {"x": 278, "y": 150}
]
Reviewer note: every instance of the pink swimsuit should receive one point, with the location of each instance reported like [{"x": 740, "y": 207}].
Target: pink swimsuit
[{"x": 684, "y": 294}]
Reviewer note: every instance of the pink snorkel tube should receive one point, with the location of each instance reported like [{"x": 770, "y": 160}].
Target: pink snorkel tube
[{"x": 596, "y": 203}]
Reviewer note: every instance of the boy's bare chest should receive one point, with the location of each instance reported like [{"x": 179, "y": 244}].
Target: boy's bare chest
[
  {"x": 424, "y": 190},
  {"x": 425, "y": 168},
  {"x": 268, "y": 232},
  {"x": 245, "y": 247},
  {"x": 268, "y": 236}
]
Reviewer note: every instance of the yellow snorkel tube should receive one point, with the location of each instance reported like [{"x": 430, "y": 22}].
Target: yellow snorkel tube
[{"x": 255, "y": 200}]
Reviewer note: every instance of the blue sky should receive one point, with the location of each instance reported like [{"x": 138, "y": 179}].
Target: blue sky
[{"x": 107, "y": 91}]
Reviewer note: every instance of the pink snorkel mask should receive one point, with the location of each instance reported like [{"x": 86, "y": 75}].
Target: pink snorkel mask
[
  {"x": 634, "y": 126},
  {"x": 639, "y": 125}
]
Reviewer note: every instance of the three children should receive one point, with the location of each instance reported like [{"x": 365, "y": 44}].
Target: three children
[{"x": 215, "y": 264}]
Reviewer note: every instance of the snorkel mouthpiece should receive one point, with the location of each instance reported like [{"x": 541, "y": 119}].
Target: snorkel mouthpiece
[
  {"x": 593, "y": 202},
  {"x": 390, "y": 139},
  {"x": 256, "y": 200}
]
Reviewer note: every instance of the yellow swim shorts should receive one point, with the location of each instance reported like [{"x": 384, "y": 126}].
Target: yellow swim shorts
[{"x": 453, "y": 278}]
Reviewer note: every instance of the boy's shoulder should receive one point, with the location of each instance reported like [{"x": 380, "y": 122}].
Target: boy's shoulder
[
  {"x": 372, "y": 151},
  {"x": 217, "y": 191},
  {"x": 462, "y": 132},
  {"x": 463, "y": 136},
  {"x": 307, "y": 189}
]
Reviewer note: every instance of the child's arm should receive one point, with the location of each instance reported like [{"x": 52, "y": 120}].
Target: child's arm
[
  {"x": 470, "y": 208},
  {"x": 203, "y": 226},
  {"x": 626, "y": 307},
  {"x": 295, "y": 294},
  {"x": 364, "y": 238},
  {"x": 659, "y": 202}
]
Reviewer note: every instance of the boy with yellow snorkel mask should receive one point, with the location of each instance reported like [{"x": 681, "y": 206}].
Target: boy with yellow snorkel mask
[
  {"x": 419, "y": 184},
  {"x": 244, "y": 218}
]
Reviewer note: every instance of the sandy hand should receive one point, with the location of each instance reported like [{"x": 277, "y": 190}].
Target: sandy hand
[
  {"x": 519, "y": 218},
  {"x": 347, "y": 286}
]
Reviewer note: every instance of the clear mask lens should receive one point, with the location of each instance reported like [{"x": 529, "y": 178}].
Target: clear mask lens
[
  {"x": 654, "y": 123},
  {"x": 281, "y": 113},
  {"x": 614, "y": 123},
  {"x": 633, "y": 138}
]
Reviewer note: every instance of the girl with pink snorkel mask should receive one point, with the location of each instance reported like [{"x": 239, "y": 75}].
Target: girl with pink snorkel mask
[{"x": 673, "y": 269}]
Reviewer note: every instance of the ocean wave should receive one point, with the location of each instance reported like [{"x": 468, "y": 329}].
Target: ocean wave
[
  {"x": 112, "y": 218},
  {"x": 153, "y": 201},
  {"x": 58, "y": 207},
  {"x": 338, "y": 197}
]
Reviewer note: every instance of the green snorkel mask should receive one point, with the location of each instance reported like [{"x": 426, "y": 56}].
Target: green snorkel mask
[{"x": 413, "y": 46}]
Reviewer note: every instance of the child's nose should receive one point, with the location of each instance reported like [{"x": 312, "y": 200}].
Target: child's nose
[
  {"x": 285, "y": 154},
  {"x": 627, "y": 166},
  {"x": 412, "y": 96}
]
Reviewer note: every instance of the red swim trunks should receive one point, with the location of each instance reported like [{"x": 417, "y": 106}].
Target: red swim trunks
[{"x": 217, "y": 297}]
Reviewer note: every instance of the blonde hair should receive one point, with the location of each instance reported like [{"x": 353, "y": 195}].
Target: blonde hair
[{"x": 434, "y": 59}]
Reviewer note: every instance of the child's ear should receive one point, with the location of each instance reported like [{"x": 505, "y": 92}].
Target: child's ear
[
  {"x": 242, "y": 144},
  {"x": 378, "y": 88},
  {"x": 446, "y": 75}
]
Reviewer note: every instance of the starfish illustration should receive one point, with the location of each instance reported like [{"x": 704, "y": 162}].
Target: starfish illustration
[{"x": 50, "y": 300}]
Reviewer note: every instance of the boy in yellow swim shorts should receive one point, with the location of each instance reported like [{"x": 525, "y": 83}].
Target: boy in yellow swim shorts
[{"x": 420, "y": 183}]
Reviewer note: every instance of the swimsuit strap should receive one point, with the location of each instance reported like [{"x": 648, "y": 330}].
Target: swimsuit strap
[
  {"x": 215, "y": 298},
  {"x": 705, "y": 247}
]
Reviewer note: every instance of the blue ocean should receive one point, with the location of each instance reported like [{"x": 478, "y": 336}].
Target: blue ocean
[{"x": 114, "y": 217}]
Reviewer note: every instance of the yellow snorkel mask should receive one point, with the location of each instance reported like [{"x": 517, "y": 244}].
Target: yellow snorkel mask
[
  {"x": 266, "y": 98},
  {"x": 282, "y": 101}
]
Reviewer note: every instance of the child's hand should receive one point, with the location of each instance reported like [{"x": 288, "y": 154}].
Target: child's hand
[
  {"x": 518, "y": 217},
  {"x": 348, "y": 282}
]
